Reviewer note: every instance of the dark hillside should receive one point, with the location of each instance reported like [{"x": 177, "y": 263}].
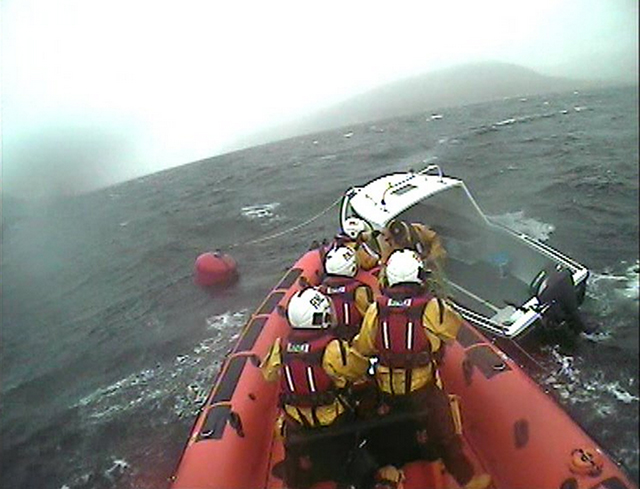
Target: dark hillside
[{"x": 456, "y": 86}]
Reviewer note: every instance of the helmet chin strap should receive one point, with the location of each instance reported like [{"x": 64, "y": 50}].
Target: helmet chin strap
[{"x": 424, "y": 274}]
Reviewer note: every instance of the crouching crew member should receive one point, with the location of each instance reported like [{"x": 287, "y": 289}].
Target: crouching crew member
[
  {"x": 314, "y": 367},
  {"x": 425, "y": 241},
  {"x": 357, "y": 234},
  {"x": 350, "y": 297},
  {"x": 405, "y": 328}
]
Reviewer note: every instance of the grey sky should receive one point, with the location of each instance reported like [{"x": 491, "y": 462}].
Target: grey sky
[{"x": 96, "y": 91}]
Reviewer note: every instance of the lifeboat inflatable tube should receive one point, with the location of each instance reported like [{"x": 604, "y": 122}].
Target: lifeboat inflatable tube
[
  {"x": 215, "y": 269},
  {"x": 511, "y": 428}
]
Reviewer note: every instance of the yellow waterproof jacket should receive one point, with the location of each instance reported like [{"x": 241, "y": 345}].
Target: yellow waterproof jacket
[
  {"x": 366, "y": 256},
  {"x": 434, "y": 251},
  {"x": 363, "y": 298},
  {"x": 352, "y": 370},
  {"x": 441, "y": 325}
]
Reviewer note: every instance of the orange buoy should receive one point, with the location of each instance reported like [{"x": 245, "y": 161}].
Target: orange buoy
[{"x": 215, "y": 269}]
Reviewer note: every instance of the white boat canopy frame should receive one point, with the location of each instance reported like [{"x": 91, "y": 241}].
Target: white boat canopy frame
[
  {"x": 490, "y": 268},
  {"x": 383, "y": 199}
]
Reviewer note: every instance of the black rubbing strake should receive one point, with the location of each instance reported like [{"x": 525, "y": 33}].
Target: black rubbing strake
[
  {"x": 271, "y": 302},
  {"x": 289, "y": 279},
  {"x": 252, "y": 331},
  {"x": 229, "y": 380}
]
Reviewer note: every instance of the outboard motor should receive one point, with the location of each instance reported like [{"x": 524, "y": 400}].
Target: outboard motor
[{"x": 556, "y": 293}]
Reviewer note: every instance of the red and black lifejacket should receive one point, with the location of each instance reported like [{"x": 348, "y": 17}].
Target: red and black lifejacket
[
  {"x": 342, "y": 292},
  {"x": 401, "y": 339},
  {"x": 304, "y": 383}
]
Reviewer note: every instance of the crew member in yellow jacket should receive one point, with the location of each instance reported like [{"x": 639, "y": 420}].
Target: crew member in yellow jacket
[
  {"x": 406, "y": 329},
  {"x": 398, "y": 235},
  {"x": 314, "y": 367},
  {"x": 357, "y": 234}
]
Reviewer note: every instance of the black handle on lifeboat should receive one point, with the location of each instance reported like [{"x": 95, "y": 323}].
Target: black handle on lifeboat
[{"x": 236, "y": 423}]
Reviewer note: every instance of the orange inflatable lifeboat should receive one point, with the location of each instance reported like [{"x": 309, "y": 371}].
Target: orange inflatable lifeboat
[{"x": 511, "y": 429}]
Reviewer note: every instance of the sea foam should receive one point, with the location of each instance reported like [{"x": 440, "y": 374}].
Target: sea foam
[{"x": 525, "y": 225}]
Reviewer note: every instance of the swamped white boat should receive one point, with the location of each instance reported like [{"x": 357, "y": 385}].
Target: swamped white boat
[{"x": 496, "y": 275}]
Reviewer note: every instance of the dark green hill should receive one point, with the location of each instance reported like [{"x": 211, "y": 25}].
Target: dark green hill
[{"x": 456, "y": 86}]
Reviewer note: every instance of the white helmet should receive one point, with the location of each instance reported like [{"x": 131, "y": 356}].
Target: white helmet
[
  {"x": 353, "y": 226},
  {"x": 404, "y": 266},
  {"x": 309, "y": 309},
  {"x": 341, "y": 261}
]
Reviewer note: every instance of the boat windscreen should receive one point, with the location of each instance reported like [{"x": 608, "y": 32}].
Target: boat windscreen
[
  {"x": 451, "y": 211},
  {"x": 486, "y": 266}
]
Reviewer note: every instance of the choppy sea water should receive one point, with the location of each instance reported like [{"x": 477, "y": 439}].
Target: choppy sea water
[{"x": 109, "y": 349}]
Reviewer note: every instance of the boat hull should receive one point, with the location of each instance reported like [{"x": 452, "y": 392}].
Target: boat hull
[{"x": 511, "y": 428}]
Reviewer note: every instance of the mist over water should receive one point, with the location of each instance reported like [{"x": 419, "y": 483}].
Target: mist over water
[{"x": 109, "y": 348}]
